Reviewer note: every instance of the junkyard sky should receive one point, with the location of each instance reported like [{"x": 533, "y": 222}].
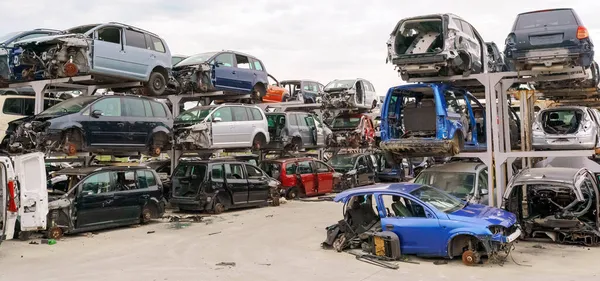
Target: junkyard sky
[{"x": 310, "y": 39}]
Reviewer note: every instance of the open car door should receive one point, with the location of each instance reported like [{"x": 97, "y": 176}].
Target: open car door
[{"x": 33, "y": 193}]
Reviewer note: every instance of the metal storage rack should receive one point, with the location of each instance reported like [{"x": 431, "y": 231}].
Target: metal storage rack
[{"x": 499, "y": 154}]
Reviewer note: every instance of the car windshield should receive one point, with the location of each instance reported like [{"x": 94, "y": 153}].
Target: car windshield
[
  {"x": 345, "y": 122},
  {"x": 438, "y": 199},
  {"x": 10, "y": 35},
  {"x": 81, "y": 29},
  {"x": 340, "y": 84},
  {"x": 342, "y": 160},
  {"x": 196, "y": 59},
  {"x": 69, "y": 106},
  {"x": 176, "y": 60},
  {"x": 460, "y": 185},
  {"x": 195, "y": 114},
  {"x": 545, "y": 19}
]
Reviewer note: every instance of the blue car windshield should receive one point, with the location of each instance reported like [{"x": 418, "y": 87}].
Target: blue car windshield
[
  {"x": 196, "y": 59},
  {"x": 70, "y": 106},
  {"x": 438, "y": 199}
]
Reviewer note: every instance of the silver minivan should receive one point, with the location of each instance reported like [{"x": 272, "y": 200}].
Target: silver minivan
[{"x": 225, "y": 126}]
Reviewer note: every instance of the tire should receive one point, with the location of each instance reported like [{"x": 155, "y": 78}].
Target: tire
[
  {"x": 258, "y": 92},
  {"x": 157, "y": 84},
  {"x": 276, "y": 201},
  {"x": 146, "y": 216},
  {"x": 285, "y": 98},
  {"x": 218, "y": 207},
  {"x": 259, "y": 141}
]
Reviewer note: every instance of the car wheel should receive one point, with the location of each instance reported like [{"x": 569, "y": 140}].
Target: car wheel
[
  {"x": 292, "y": 193},
  {"x": 157, "y": 84},
  {"x": 55, "y": 233},
  {"x": 258, "y": 142},
  {"x": 258, "y": 92},
  {"x": 218, "y": 208},
  {"x": 285, "y": 98},
  {"x": 470, "y": 258},
  {"x": 276, "y": 201}
]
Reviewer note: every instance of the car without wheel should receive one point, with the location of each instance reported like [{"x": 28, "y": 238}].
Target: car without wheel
[
  {"x": 228, "y": 71},
  {"x": 294, "y": 131},
  {"x": 220, "y": 184},
  {"x": 98, "y": 124},
  {"x": 349, "y": 93},
  {"x": 436, "y": 45},
  {"x": 104, "y": 197},
  {"x": 111, "y": 52},
  {"x": 566, "y": 127},
  {"x": 356, "y": 169},
  {"x": 225, "y": 126},
  {"x": 307, "y": 91}
]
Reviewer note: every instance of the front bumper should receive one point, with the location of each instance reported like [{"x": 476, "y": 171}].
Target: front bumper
[
  {"x": 418, "y": 147},
  {"x": 563, "y": 143}
]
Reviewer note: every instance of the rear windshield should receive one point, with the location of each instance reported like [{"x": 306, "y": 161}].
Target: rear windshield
[
  {"x": 564, "y": 121},
  {"x": 547, "y": 18}
]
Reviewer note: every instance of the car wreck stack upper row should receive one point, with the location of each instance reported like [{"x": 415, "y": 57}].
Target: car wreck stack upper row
[{"x": 245, "y": 107}]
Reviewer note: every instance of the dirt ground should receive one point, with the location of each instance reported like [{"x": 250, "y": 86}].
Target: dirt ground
[{"x": 274, "y": 243}]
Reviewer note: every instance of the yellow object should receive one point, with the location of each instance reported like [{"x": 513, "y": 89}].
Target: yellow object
[{"x": 379, "y": 246}]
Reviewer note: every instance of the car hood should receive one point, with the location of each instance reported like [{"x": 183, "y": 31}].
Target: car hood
[
  {"x": 481, "y": 214},
  {"x": 50, "y": 38}
]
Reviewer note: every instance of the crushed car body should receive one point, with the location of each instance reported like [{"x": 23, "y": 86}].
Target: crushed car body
[
  {"x": 436, "y": 45},
  {"x": 352, "y": 130},
  {"x": 420, "y": 120},
  {"x": 351, "y": 93},
  {"x": 427, "y": 221},
  {"x": 559, "y": 204}
]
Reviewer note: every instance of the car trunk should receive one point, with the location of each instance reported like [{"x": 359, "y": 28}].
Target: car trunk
[
  {"x": 549, "y": 29},
  {"x": 276, "y": 122},
  {"x": 419, "y": 36},
  {"x": 562, "y": 121},
  {"x": 187, "y": 179}
]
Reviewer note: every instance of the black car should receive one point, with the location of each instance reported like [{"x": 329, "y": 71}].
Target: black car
[
  {"x": 104, "y": 197},
  {"x": 220, "y": 184},
  {"x": 547, "y": 39},
  {"x": 356, "y": 169},
  {"x": 111, "y": 123}
]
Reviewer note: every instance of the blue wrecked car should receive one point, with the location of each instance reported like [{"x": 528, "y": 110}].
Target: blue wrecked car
[
  {"x": 420, "y": 120},
  {"x": 427, "y": 221}
]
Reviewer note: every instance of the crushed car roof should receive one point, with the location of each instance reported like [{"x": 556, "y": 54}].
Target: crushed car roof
[{"x": 548, "y": 174}]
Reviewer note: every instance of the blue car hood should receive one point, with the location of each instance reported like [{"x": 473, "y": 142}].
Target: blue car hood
[{"x": 481, "y": 214}]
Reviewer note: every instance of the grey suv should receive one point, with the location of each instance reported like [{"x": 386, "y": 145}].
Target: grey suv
[{"x": 295, "y": 131}]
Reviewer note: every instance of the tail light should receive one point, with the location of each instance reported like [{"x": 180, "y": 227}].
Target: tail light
[
  {"x": 582, "y": 33},
  {"x": 12, "y": 204}
]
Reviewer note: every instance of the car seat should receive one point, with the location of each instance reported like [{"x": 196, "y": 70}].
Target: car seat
[
  {"x": 422, "y": 118},
  {"x": 399, "y": 209},
  {"x": 554, "y": 120}
]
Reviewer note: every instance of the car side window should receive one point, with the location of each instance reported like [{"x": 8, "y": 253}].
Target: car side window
[
  {"x": 239, "y": 113},
  {"x": 224, "y": 113},
  {"x": 256, "y": 113},
  {"x": 235, "y": 172},
  {"x": 49, "y": 103},
  {"x": 98, "y": 183},
  {"x": 109, "y": 106},
  {"x": 321, "y": 167},
  {"x": 396, "y": 206},
  {"x": 12, "y": 106},
  {"x": 466, "y": 27},
  {"x": 256, "y": 65},
  {"x": 135, "y": 107},
  {"x": 302, "y": 120},
  {"x": 242, "y": 61},
  {"x": 217, "y": 172},
  {"x": 145, "y": 179},
  {"x": 293, "y": 120},
  {"x": 158, "y": 44},
  {"x": 290, "y": 168},
  {"x": 158, "y": 109},
  {"x": 304, "y": 167},
  {"x": 135, "y": 39},
  {"x": 124, "y": 180},
  {"x": 458, "y": 24},
  {"x": 148, "y": 108},
  {"x": 225, "y": 59},
  {"x": 361, "y": 161},
  {"x": 253, "y": 172},
  {"x": 110, "y": 34}
]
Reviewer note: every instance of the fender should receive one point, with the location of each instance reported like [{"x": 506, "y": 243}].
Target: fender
[
  {"x": 457, "y": 232},
  {"x": 159, "y": 129},
  {"x": 216, "y": 195},
  {"x": 261, "y": 130},
  {"x": 157, "y": 204}
]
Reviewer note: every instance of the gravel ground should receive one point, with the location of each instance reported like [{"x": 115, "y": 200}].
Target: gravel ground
[{"x": 274, "y": 243}]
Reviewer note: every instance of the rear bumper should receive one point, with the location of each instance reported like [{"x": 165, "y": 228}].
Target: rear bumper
[
  {"x": 579, "y": 55},
  {"x": 568, "y": 142},
  {"x": 416, "y": 147}
]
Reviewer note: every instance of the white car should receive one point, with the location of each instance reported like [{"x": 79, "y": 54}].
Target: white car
[{"x": 350, "y": 93}]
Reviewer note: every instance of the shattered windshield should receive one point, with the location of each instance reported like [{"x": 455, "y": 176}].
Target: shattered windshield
[
  {"x": 438, "y": 199},
  {"x": 460, "y": 185},
  {"x": 70, "y": 106},
  {"x": 195, "y": 114},
  {"x": 10, "y": 35},
  {"x": 81, "y": 29},
  {"x": 345, "y": 122},
  {"x": 340, "y": 84},
  {"x": 196, "y": 59}
]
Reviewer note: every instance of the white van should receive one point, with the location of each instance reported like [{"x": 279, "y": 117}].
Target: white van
[
  {"x": 24, "y": 200},
  {"x": 18, "y": 106}
]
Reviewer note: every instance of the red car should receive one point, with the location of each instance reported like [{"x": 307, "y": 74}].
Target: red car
[
  {"x": 301, "y": 176},
  {"x": 352, "y": 130}
]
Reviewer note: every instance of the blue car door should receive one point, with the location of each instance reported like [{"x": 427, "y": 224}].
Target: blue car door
[
  {"x": 108, "y": 51},
  {"x": 246, "y": 75},
  {"x": 138, "y": 56},
  {"x": 225, "y": 73},
  {"x": 416, "y": 226}
]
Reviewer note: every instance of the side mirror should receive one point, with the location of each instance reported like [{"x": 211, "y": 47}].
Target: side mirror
[
  {"x": 484, "y": 192},
  {"x": 97, "y": 113},
  {"x": 217, "y": 119}
]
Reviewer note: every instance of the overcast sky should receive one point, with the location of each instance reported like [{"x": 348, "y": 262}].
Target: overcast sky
[{"x": 308, "y": 39}]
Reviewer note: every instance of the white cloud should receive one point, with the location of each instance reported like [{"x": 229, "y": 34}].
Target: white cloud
[{"x": 320, "y": 40}]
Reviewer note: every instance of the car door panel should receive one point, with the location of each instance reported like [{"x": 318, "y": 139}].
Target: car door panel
[
  {"x": 258, "y": 187},
  {"x": 245, "y": 75},
  {"x": 95, "y": 202},
  {"x": 225, "y": 72},
  {"x": 108, "y": 54},
  {"x": 137, "y": 55},
  {"x": 307, "y": 177},
  {"x": 324, "y": 177},
  {"x": 33, "y": 195},
  {"x": 223, "y": 131},
  {"x": 237, "y": 183},
  {"x": 109, "y": 129}
]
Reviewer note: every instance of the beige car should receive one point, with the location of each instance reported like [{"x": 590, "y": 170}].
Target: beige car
[{"x": 18, "y": 106}]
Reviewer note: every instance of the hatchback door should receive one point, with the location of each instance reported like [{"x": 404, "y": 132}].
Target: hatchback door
[
  {"x": 546, "y": 29},
  {"x": 31, "y": 177},
  {"x": 138, "y": 55}
]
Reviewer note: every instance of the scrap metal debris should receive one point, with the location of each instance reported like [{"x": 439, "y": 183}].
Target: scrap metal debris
[
  {"x": 150, "y": 232},
  {"x": 214, "y": 233},
  {"x": 185, "y": 218},
  {"x": 538, "y": 246},
  {"x": 440, "y": 262},
  {"x": 226, "y": 264}
]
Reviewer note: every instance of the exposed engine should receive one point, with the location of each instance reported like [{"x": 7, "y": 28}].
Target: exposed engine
[
  {"x": 339, "y": 99},
  {"x": 30, "y": 136},
  {"x": 193, "y": 137},
  {"x": 60, "y": 58},
  {"x": 351, "y": 138},
  {"x": 193, "y": 78}
]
